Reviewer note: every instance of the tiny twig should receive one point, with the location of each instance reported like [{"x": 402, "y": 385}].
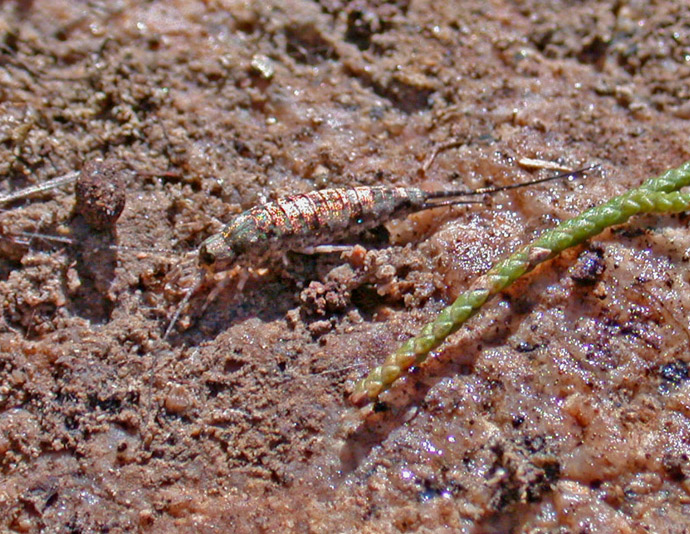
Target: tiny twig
[{"x": 40, "y": 188}]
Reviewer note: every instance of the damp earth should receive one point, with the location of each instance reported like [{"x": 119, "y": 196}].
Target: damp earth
[{"x": 564, "y": 406}]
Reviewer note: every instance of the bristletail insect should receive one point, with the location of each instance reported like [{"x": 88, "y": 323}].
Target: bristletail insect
[
  {"x": 304, "y": 222},
  {"x": 656, "y": 195}
]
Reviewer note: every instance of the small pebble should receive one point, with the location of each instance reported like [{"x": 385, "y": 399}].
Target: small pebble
[
  {"x": 263, "y": 66},
  {"x": 177, "y": 400},
  {"x": 100, "y": 193},
  {"x": 319, "y": 328},
  {"x": 590, "y": 265}
]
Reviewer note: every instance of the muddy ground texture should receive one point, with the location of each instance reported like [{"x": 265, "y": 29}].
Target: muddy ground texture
[{"x": 563, "y": 407}]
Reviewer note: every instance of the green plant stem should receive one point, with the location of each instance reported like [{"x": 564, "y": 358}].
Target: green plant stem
[{"x": 657, "y": 195}]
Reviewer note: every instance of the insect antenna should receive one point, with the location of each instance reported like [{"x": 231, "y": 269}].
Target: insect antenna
[
  {"x": 496, "y": 189},
  {"x": 26, "y": 238},
  {"x": 145, "y": 250},
  {"x": 40, "y": 188}
]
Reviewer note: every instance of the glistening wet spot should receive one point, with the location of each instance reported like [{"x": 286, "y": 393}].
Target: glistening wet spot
[{"x": 675, "y": 372}]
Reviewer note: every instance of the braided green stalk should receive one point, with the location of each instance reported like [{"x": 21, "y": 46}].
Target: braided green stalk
[{"x": 657, "y": 195}]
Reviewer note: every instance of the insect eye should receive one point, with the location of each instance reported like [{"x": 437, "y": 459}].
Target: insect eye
[{"x": 205, "y": 256}]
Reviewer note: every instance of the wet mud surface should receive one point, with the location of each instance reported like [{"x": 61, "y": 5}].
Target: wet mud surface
[{"x": 563, "y": 407}]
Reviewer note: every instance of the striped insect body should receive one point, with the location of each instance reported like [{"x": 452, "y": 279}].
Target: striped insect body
[
  {"x": 316, "y": 221},
  {"x": 306, "y": 220},
  {"x": 299, "y": 222}
]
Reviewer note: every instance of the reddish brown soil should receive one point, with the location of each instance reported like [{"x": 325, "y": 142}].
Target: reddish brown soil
[{"x": 563, "y": 407}]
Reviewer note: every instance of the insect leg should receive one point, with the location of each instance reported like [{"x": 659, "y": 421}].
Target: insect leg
[
  {"x": 220, "y": 286},
  {"x": 323, "y": 249}
]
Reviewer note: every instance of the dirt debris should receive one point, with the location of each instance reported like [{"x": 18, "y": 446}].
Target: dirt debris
[{"x": 99, "y": 193}]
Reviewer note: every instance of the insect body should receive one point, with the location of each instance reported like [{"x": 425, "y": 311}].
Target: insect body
[
  {"x": 304, "y": 221},
  {"x": 299, "y": 222}
]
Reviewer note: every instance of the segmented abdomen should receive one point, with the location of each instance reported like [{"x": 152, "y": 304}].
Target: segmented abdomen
[{"x": 330, "y": 213}]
